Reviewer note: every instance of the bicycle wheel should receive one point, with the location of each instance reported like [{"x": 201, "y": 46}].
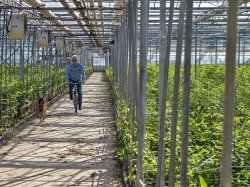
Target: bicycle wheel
[{"x": 75, "y": 102}]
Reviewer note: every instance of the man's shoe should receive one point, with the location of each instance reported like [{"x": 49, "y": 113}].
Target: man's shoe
[
  {"x": 71, "y": 97},
  {"x": 80, "y": 107}
]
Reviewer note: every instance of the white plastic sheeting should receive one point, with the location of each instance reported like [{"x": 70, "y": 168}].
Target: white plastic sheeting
[
  {"x": 59, "y": 44},
  {"x": 18, "y": 27},
  {"x": 69, "y": 48},
  {"x": 43, "y": 38},
  {"x": 77, "y": 50}
]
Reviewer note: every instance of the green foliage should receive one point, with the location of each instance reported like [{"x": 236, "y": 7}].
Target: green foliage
[
  {"x": 125, "y": 129},
  {"x": 202, "y": 182},
  {"x": 205, "y": 131},
  {"x": 19, "y": 97},
  {"x": 88, "y": 70}
]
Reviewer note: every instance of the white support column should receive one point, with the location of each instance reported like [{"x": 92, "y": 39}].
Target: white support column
[
  {"x": 142, "y": 87},
  {"x": 180, "y": 31},
  {"x": 186, "y": 94},
  {"x": 229, "y": 98},
  {"x": 164, "y": 67}
]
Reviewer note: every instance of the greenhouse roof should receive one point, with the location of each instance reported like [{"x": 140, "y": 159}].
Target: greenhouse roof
[{"x": 94, "y": 22}]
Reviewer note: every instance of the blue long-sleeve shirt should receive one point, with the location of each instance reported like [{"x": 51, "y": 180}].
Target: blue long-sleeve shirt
[{"x": 74, "y": 73}]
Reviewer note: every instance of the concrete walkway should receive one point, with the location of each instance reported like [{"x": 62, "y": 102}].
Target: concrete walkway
[{"x": 66, "y": 149}]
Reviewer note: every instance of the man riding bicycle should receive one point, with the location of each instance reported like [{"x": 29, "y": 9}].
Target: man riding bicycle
[{"x": 75, "y": 74}]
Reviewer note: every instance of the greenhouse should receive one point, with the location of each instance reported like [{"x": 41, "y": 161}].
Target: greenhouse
[{"x": 165, "y": 89}]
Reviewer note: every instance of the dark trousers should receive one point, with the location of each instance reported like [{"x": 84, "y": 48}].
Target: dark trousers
[{"x": 79, "y": 90}]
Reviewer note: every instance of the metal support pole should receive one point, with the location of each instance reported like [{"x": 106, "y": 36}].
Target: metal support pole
[
  {"x": 216, "y": 51},
  {"x": 142, "y": 87},
  {"x": 126, "y": 57},
  {"x": 28, "y": 61},
  {"x": 186, "y": 93},
  {"x": 1, "y": 71},
  {"x": 229, "y": 98},
  {"x": 21, "y": 55},
  {"x": 22, "y": 61},
  {"x": 164, "y": 67},
  {"x": 176, "y": 95},
  {"x": 134, "y": 65},
  {"x": 195, "y": 53},
  {"x": 244, "y": 51},
  {"x": 239, "y": 51},
  {"x": 156, "y": 49},
  {"x": 200, "y": 53},
  {"x": 50, "y": 60}
]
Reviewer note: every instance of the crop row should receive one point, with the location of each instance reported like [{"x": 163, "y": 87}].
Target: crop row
[
  {"x": 205, "y": 131},
  {"x": 18, "y": 97}
]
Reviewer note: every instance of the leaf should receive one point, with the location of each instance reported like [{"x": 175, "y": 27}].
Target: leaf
[{"x": 202, "y": 181}]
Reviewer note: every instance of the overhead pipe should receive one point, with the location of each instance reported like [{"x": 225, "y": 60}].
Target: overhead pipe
[
  {"x": 49, "y": 14},
  {"x": 214, "y": 12},
  {"x": 87, "y": 19},
  {"x": 101, "y": 17},
  {"x": 75, "y": 16},
  {"x": 91, "y": 2}
]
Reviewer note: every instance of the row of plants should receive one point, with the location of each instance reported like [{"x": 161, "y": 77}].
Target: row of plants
[
  {"x": 19, "y": 98},
  {"x": 205, "y": 132},
  {"x": 88, "y": 70}
]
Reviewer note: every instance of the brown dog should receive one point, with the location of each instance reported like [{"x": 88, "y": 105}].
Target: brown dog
[{"x": 41, "y": 107}]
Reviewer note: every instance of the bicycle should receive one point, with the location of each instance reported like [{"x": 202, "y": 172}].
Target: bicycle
[{"x": 75, "y": 96}]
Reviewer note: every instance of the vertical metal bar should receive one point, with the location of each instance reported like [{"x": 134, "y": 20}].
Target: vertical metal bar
[
  {"x": 22, "y": 61},
  {"x": 164, "y": 66},
  {"x": 175, "y": 93},
  {"x": 33, "y": 52},
  {"x": 6, "y": 53},
  {"x": 21, "y": 55},
  {"x": 150, "y": 52},
  {"x": 134, "y": 64},
  {"x": 200, "y": 54},
  {"x": 115, "y": 63},
  {"x": 142, "y": 86},
  {"x": 216, "y": 50},
  {"x": 195, "y": 51},
  {"x": 92, "y": 60},
  {"x": 244, "y": 51},
  {"x": 43, "y": 66},
  {"x": 239, "y": 51},
  {"x": 130, "y": 81},
  {"x": 186, "y": 93},
  {"x": 211, "y": 56},
  {"x": 120, "y": 58},
  {"x": 156, "y": 52},
  {"x": 130, "y": 75},
  {"x": 123, "y": 61},
  {"x": 1, "y": 64},
  {"x": 50, "y": 96},
  {"x": 10, "y": 58},
  {"x": 126, "y": 57},
  {"x": 229, "y": 98},
  {"x": 28, "y": 61},
  {"x": 14, "y": 56}
]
